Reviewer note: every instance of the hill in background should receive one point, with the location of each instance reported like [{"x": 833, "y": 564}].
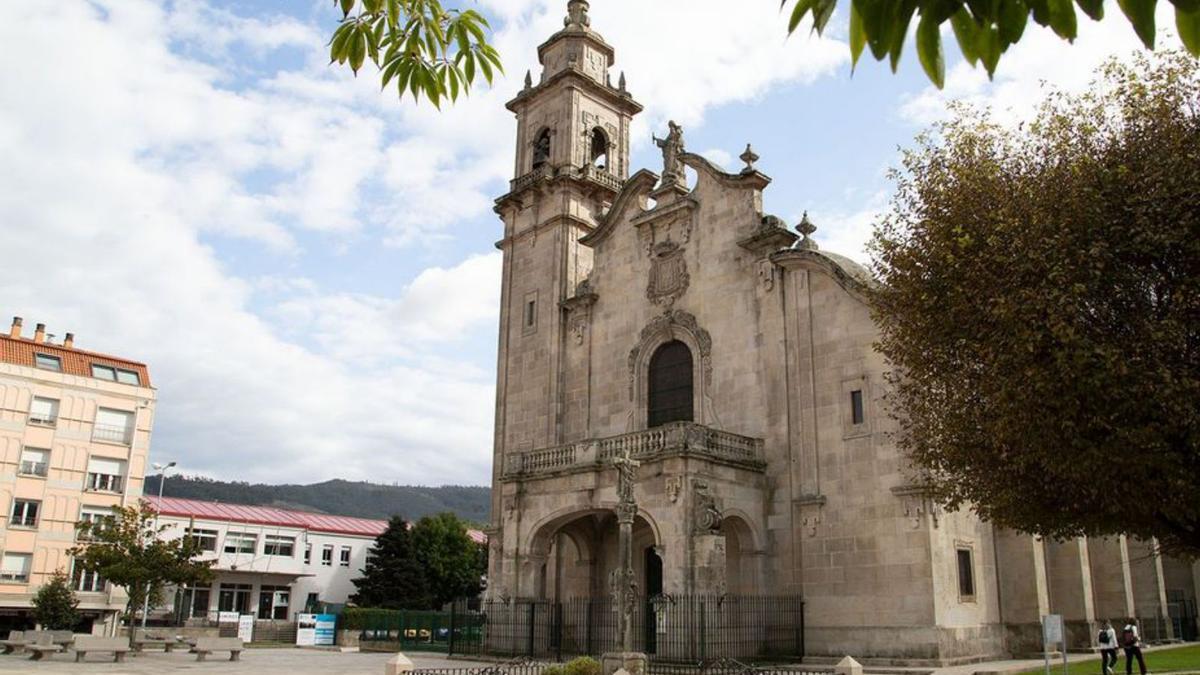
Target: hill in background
[{"x": 338, "y": 497}]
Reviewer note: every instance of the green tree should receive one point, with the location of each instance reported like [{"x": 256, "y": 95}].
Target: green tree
[
  {"x": 130, "y": 551},
  {"x": 1040, "y": 304},
  {"x": 984, "y": 29},
  {"x": 55, "y": 604},
  {"x": 454, "y": 563},
  {"x": 421, "y": 47},
  {"x": 393, "y": 577}
]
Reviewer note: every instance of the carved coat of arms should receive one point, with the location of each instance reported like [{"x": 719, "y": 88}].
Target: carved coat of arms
[{"x": 668, "y": 274}]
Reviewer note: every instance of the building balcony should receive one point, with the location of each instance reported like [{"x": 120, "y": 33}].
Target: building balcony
[
  {"x": 593, "y": 174},
  {"x": 677, "y": 439}
]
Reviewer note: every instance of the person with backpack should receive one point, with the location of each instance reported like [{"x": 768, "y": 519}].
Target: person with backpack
[
  {"x": 1107, "y": 639},
  {"x": 1132, "y": 642}
]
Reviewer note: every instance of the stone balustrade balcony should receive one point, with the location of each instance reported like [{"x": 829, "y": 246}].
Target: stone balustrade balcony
[
  {"x": 545, "y": 172},
  {"x": 677, "y": 439}
]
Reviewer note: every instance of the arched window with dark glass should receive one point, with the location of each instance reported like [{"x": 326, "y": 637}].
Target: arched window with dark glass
[
  {"x": 599, "y": 149},
  {"x": 541, "y": 149},
  {"x": 670, "y": 380}
]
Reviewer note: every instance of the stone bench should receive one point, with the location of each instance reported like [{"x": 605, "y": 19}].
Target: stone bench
[
  {"x": 40, "y": 650},
  {"x": 207, "y": 645},
  {"x": 15, "y": 641},
  {"x": 94, "y": 643}
]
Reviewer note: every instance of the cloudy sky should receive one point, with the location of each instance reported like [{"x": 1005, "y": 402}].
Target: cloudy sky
[{"x": 307, "y": 264}]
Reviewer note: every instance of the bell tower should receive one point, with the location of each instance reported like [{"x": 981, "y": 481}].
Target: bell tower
[{"x": 572, "y": 157}]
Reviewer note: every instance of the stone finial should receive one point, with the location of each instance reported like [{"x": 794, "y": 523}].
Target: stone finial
[
  {"x": 749, "y": 157},
  {"x": 577, "y": 14},
  {"x": 621, "y": 82},
  {"x": 848, "y": 666},
  {"x": 805, "y": 228},
  {"x": 398, "y": 664},
  {"x": 528, "y": 79}
]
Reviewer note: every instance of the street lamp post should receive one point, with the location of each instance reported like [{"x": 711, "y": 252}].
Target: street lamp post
[{"x": 162, "y": 476}]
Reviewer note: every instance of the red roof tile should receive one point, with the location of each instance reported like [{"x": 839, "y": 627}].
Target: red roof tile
[
  {"x": 20, "y": 351},
  {"x": 267, "y": 515}
]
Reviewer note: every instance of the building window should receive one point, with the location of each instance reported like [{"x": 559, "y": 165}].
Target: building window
[
  {"x": 105, "y": 475},
  {"x": 345, "y": 559},
  {"x": 47, "y": 362},
  {"x": 327, "y": 555},
  {"x": 599, "y": 149},
  {"x": 43, "y": 411},
  {"x": 95, "y": 514},
  {"x": 114, "y": 374},
  {"x": 541, "y": 149},
  {"x": 113, "y": 426},
  {"x": 312, "y": 603},
  {"x": 14, "y": 567},
  {"x": 193, "y": 602},
  {"x": 308, "y": 554},
  {"x": 24, "y": 513},
  {"x": 530, "y": 313},
  {"x": 205, "y": 540},
  {"x": 234, "y": 598},
  {"x": 280, "y": 546},
  {"x": 87, "y": 582},
  {"x": 241, "y": 542},
  {"x": 34, "y": 462},
  {"x": 670, "y": 385},
  {"x": 856, "y": 407},
  {"x": 966, "y": 574}
]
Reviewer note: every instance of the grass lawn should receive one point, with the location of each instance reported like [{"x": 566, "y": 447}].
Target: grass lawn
[{"x": 1162, "y": 661}]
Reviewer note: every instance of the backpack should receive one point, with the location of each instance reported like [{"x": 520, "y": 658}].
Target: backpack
[
  {"x": 1128, "y": 637},
  {"x": 1102, "y": 637}
]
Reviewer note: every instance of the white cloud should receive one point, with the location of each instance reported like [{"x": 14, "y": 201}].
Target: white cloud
[{"x": 1041, "y": 58}]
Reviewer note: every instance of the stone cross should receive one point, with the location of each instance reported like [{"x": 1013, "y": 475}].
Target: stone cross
[{"x": 624, "y": 585}]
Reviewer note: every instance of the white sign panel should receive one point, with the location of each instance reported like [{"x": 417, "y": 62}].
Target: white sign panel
[
  {"x": 246, "y": 627},
  {"x": 227, "y": 617},
  {"x": 306, "y": 630},
  {"x": 1052, "y": 629}
]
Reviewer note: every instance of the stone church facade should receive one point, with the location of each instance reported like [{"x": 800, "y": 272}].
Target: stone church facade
[{"x": 733, "y": 359}]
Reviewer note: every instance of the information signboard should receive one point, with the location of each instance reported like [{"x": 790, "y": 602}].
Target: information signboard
[
  {"x": 306, "y": 630},
  {"x": 326, "y": 627},
  {"x": 1052, "y": 629},
  {"x": 246, "y": 627}
]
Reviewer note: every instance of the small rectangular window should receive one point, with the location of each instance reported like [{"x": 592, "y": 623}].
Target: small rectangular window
[
  {"x": 206, "y": 540},
  {"x": 14, "y": 567},
  {"x": 34, "y": 462},
  {"x": 279, "y": 546},
  {"x": 94, "y": 514},
  {"x": 966, "y": 575},
  {"x": 87, "y": 582},
  {"x": 24, "y": 513},
  {"x": 240, "y": 542},
  {"x": 113, "y": 426},
  {"x": 327, "y": 555},
  {"x": 47, "y": 362},
  {"x": 104, "y": 372},
  {"x": 43, "y": 411},
  {"x": 856, "y": 407},
  {"x": 104, "y": 474},
  {"x": 128, "y": 377},
  {"x": 345, "y": 559},
  {"x": 308, "y": 554},
  {"x": 530, "y": 313}
]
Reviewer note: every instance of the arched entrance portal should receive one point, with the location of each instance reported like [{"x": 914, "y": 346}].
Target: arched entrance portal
[{"x": 581, "y": 552}]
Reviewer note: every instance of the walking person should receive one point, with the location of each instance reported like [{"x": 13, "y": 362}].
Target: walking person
[
  {"x": 1132, "y": 642},
  {"x": 1107, "y": 639}
]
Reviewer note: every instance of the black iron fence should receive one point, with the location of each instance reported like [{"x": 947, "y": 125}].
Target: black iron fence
[
  {"x": 692, "y": 628},
  {"x": 655, "y": 667}
]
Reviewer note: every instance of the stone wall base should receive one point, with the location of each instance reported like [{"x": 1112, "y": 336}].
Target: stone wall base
[
  {"x": 633, "y": 663},
  {"x": 916, "y": 646}
]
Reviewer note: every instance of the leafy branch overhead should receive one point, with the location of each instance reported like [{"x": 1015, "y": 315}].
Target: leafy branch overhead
[
  {"x": 420, "y": 47},
  {"x": 984, "y": 29}
]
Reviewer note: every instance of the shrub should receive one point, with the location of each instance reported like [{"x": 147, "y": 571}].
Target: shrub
[{"x": 583, "y": 665}]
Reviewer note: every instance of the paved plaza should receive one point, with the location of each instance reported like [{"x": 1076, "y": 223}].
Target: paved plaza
[{"x": 290, "y": 661}]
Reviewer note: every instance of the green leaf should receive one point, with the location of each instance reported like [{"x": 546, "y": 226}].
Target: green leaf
[
  {"x": 965, "y": 30},
  {"x": 1062, "y": 18},
  {"x": 1141, "y": 15},
  {"x": 901, "y": 17},
  {"x": 358, "y": 49},
  {"x": 822, "y": 10},
  {"x": 337, "y": 46},
  {"x": 987, "y": 43},
  {"x": 858, "y": 39},
  {"x": 347, "y": 7},
  {"x": 1014, "y": 15},
  {"x": 1188, "y": 24},
  {"x": 1093, "y": 8},
  {"x": 798, "y": 12},
  {"x": 929, "y": 50}
]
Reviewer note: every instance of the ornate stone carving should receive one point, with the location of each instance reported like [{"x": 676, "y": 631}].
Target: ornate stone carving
[
  {"x": 674, "y": 485},
  {"x": 707, "y": 513},
  {"x": 766, "y": 274},
  {"x": 673, "y": 226},
  {"x": 660, "y": 330},
  {"x": 668, "y": 274}
]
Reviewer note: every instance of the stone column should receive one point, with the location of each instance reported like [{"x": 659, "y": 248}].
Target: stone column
[
  {"x": 1024, "y": 596},
  {"x": 1112, "y": 586},
  {"x": 1149, "y": 590},
  {"x": 1071, "y": 590}
]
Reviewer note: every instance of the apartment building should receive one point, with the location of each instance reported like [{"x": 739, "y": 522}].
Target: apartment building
[
  {"x": 74, "y": 437},
  {"x": 270, "y": 562}
]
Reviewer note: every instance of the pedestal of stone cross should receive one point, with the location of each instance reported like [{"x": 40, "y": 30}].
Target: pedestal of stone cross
[{"x": 624, "y": 586}]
